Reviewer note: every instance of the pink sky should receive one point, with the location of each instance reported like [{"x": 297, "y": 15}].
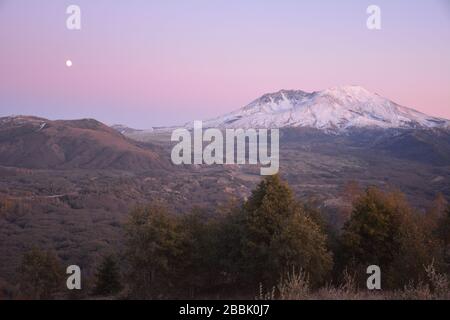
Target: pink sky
[{"x": 150, "y": 63}]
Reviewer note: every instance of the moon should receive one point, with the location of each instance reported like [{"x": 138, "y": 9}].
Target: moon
[{"x": 69, "y": 63}]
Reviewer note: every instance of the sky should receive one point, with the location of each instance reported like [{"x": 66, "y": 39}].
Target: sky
[{"x": 156, "y": 63}]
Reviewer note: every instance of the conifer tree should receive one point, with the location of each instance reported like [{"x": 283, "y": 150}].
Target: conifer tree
[
  {"x": 278, "y": 236},
  {"x": 107, "y": 277}
]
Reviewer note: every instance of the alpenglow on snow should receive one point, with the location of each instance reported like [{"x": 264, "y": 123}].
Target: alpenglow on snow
[{"x": 337, "y": 108}]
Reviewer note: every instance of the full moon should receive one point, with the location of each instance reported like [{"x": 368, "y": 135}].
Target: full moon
[{"x": 69, "y": 63}]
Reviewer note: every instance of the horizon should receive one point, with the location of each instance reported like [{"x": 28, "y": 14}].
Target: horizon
[
  {"x": 182, "y": 124},
  {"x": 163, "y": 64}
]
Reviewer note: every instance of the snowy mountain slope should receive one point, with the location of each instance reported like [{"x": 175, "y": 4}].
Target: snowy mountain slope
[{"x": 334, "y": 109}]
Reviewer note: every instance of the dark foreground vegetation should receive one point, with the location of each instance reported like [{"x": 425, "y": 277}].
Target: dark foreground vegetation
[{"x": 269, "y": 246}]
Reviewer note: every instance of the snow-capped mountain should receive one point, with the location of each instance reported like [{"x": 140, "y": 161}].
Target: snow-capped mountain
[{"x": 334, "y": 109}]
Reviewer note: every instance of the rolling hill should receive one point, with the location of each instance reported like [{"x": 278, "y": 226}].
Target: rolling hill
[{"x": 38, "y": 143}]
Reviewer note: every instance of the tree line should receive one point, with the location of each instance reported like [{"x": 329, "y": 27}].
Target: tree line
[{"x": 237, "y": 250}]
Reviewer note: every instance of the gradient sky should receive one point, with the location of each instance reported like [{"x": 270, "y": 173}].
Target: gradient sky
[{"x": 148, "y": 63}]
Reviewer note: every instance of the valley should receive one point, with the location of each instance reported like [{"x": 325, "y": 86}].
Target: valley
[
  {"x": 79, "y": 212},
  {"x": 70, "y": 185}
]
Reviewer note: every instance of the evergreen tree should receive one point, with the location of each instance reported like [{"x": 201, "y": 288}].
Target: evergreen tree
[
  {"x": 277, "y": 236},
  {"x": 107, "y": 277}
]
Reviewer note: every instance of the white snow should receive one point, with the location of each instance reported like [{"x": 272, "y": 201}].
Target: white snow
[
  {"x": 334, "y": 109},
  {"x": 42, "y": 126}
]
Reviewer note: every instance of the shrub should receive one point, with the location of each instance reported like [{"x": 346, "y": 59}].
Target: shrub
[
  {"x": 383, "y": 231},
  {"x": 40, "y": 274},
  {"x": 153, "y": 251}
]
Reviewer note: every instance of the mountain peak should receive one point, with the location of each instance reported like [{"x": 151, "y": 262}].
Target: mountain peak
[
  {"x": 333, "y": 109},
  {"x": 351, "y": 90}
]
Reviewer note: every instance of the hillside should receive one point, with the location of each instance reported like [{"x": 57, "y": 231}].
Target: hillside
[{"x": 38, "y": 143}]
